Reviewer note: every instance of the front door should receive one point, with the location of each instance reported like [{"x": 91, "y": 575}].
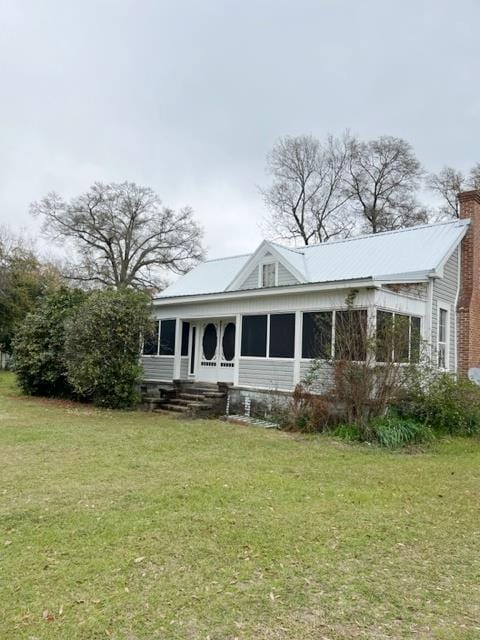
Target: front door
[{"x": 217, "y": 351}]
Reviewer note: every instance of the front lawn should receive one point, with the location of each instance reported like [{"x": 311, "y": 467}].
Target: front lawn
[{"x": 133, "y": 526}]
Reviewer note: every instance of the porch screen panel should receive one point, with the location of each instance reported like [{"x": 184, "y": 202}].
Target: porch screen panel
[
  {"x": 150, "y": 340},
  {"x": 317, "y": 335},
  {"x": 415, "y": 339},
  {"x": 185, "y": 334},
  {"x": 254, "y": 336},
  {"x": 282, "y": 335},
  {"x": 401, "y": 337},
  {"x": 351, "y": 335},
  {"x": 384, "y": 338},
  {"x": 167, "y": 337}
]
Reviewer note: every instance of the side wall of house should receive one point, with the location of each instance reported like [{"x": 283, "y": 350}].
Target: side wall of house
[{"x": 445, "y": 291}]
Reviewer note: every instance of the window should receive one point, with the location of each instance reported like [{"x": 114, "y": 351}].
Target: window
[
  {"x": 254, "y": 336},
  {"x": 351, "y": 335},
  {"x": 281, "y": 343},
  {"x": 397, "y": 338},
  {"x": 282, "y": 335},
  {"x": 415, "y": 339},
  {"x": 185, "y": 334},
  {"x": 384, "y": 337},
  {"x": 317, "y": 335},
  {"x": 150, "y": 340},
  {"x": 167, "y": 337},
  {"x": 442, "y": 337},
  {"x": 268, "y": 273}
]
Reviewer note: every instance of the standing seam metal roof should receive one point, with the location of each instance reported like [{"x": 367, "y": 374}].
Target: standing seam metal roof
[{"x": 415, "y": 250}]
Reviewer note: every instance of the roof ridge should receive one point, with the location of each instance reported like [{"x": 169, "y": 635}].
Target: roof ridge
[
  {"x": 238, "y": 255},
  {"x": 461, "y": 221},
  {"x": 298, "y": 250}
]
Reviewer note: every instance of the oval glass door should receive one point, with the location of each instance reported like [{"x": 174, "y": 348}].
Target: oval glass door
[
  {"x": 209, "y": 342},
  {"x": 228, "y": 342}
]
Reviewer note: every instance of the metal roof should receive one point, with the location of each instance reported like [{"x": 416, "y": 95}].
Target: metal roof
[{"x": 406, "y": 254}]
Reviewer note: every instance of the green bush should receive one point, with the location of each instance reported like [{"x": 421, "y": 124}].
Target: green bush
[
  {"x": 102, "y": 347},
  {"x": 38, "y": 347},
  {"x": 446, "y": 403},
  {"x": 452, "y": 405}
]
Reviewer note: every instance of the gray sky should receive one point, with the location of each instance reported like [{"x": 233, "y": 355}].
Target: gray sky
[{"x": 188, "y": 96}]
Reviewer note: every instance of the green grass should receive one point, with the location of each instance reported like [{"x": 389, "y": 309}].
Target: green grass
[{"x": 134, "y": 526}]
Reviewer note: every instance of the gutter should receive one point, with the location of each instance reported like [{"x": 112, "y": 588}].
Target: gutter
[{"x": 267, "y": 292}]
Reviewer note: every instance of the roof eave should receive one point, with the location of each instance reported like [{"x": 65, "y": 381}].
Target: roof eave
[{"x": 267, "y": 292}]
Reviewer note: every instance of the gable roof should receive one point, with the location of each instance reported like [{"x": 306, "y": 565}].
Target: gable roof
[{"x": 407, "y": 254}]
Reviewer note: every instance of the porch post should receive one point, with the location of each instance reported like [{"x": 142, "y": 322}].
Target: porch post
[
  {"x": 238, "y": 343},
  {"x": 297, "y": 353},
  {"x": 178, "y": 349}
]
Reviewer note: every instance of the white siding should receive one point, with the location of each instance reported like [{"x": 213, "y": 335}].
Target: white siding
[
  {"x": 285, "y": 277},
  {"x": 251, "y": 281},
  {"x": 158, "y": 367},
  {"x": 266, "y": 373},
  {"x": 323, "y": 376},
  {"x": 445, "y": 290}
]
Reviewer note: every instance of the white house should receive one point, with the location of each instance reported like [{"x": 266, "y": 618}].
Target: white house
[{"x": 252, "y": 320}]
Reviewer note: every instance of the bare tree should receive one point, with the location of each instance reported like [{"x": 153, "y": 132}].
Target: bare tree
[
  {"x": 448, "y": 183},
  {"x": 123, "y": 235},
  {"x": 306, "y": 198},
  {"x": 382, "y": 182}
]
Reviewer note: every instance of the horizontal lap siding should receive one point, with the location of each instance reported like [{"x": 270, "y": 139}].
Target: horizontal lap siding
[
  {"x": 251, "y": 281},
  {"x": 285, "y": 277},
  {"x": 158, "y": 368},
  {"x": 323, "y": 376},
  {"x": 266, "y": 373},
  {"x": 445, "y": 290}
]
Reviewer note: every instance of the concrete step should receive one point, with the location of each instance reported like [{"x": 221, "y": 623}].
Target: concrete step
[
  {"x": 214, "y": 394},
  {"x": 175, "y": 407},
  {"x": 191, "y": 396}
]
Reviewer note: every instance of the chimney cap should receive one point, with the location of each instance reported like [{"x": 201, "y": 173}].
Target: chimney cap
[{"x": 464, "y": 196}]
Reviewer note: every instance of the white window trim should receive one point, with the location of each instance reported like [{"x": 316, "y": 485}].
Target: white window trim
[
  {"x": 260, "y": 272},
  {"x": 446, "y": 307},
  {"x": 267, "y": 355}
]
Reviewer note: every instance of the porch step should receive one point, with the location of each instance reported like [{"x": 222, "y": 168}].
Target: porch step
[
  {"x": 191, "y": 396},
  {"x": 179, "y": 408}
]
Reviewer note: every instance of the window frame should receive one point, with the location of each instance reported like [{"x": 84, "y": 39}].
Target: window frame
[
  {"x": 443, "y": 306},
  {"x": 404, "y": 314},
  {"x": 159, "y": 330},
  {"x": 267, "y": 355},
  {"x": 332, "y": 336},
  {"x": 265, "y": 263},
  {"x": 152, "y": 355}
]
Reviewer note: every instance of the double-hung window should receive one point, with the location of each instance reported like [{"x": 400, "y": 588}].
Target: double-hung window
[{"x": 442, "y": 342}]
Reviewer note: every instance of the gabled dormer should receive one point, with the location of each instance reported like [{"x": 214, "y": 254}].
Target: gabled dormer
[{"x": 269, "y": 266}]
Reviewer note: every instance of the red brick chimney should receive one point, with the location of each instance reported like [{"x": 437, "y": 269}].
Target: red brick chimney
[{"x": 468, "y": 307}]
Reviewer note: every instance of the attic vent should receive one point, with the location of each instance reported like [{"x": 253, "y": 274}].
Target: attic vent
[{"x": 268, "y": 274}]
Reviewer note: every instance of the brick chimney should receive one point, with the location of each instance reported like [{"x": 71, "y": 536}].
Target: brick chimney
[{"x": 468, "y": 307}]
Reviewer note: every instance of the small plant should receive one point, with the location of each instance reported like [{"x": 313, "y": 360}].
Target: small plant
[
  {"x": 306, "y": 412},
  {"x": 394, "y": 432}
]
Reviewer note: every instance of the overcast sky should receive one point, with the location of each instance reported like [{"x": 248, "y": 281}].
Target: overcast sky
[{"x": 188, "y": 97}]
